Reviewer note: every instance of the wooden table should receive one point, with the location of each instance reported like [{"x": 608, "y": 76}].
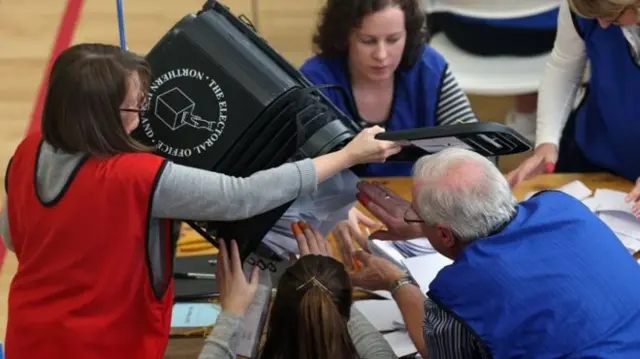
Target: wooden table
[{"x": 192, "y": 244}]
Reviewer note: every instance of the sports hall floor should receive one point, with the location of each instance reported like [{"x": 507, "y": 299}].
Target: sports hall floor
[{"x": 33, "y": 32}]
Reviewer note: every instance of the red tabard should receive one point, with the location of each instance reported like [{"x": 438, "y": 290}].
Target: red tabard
[{"x": 83, "y": 288}]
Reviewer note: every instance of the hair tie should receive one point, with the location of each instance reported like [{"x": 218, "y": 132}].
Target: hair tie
[{"x": 315, "y": 283}]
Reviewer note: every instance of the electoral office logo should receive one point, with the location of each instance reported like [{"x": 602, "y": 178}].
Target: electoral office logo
[{"x": 187, "y": 113}]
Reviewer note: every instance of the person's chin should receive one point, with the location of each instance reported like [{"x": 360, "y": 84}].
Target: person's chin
[{"x": 380, "y": 75}]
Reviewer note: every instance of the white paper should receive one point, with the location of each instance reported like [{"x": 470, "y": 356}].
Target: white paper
[
  {"x": 610, "y": 200},
  {"x": 383, "y": 314},
  {"x": 386, "y": 250},
  {"x": 576, "y": 189},
  {"x": 401, "y": 343},
  {"x": 425, "y": 268},
  {"x": 254, "y": 320},
  {"x": 591, "y": 203},
  {"x": 438, "y": 144},
  {"x": 323, "y": 209}
]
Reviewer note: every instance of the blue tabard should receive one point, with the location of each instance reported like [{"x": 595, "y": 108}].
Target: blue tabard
[
  {"x": 414, "y": 103},
  {"x": 555, "y": 283},
  {"x": 608, "y": 120}
]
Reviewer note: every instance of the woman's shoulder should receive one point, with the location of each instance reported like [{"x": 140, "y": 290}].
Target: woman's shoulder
[
  {"x": 429, "y": 66},
  {"x": 429, "y": 59},
  {"x": 324, "y": 69}
]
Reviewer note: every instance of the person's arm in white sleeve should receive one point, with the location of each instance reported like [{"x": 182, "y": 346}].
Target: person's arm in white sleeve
[{"x": 560, "y": 80}]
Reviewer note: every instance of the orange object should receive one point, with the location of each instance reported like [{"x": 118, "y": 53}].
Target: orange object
[
  {"x": 356, "y": 263},
  {"x": 296, "y": 228},
  {"x": 302, "y": 225}
]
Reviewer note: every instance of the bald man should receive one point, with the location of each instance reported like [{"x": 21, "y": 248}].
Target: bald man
[{"x": 544, "y": 278}]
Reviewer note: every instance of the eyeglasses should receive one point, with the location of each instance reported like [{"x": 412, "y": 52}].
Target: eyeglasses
[
  {"x": 411, "y": 216},
  {"x": 142, "y": 111}
]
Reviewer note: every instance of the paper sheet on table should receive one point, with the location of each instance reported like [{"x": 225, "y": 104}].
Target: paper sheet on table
[
  {"x": 612, "y": 201},
  {"x": 625, "y": 226},
  {"x": 383, "y": 314},
  {"x": 576, "y": 189},
  {"x": 425, "y": 268},
  {"x": 400, "y": 342}
]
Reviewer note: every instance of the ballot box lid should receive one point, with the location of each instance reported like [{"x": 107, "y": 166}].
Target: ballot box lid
[{"x": 486, "y": 138}]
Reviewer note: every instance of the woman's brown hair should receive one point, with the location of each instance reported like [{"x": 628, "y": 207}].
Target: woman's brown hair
[
  {"x": 310, "y": 312},
  {"x": 87, "y": 85},
  {"x": 339, "y": 17}
]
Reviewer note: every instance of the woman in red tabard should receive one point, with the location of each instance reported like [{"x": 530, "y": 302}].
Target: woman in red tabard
[{"x": 88, "y": 213}]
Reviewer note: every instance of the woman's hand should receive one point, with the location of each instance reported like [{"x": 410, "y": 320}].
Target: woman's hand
[
  {"x": 364, "y": 148},
  {"x": 634, "y": 196},
  {"x": 235, "y": 292},
  {"x": 543, "y": 161},
  {"x": 377, "y": 274},
  {"x": 390, "y": 209},
  {"x": 310, "y": 241},
  {"x": 346, "y": 231}
]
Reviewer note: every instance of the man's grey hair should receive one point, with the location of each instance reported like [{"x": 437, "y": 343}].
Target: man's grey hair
[{"x": 463, "y": 191}]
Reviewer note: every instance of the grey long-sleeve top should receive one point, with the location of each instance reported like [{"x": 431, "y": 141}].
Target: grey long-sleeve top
[
  {"x": 223, "y": 339},
  {"x": 189, "y": 193}
]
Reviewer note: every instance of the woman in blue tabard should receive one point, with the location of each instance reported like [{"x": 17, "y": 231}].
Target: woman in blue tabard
[
  {"x": 377, "y": 52},
  {"x": 602, "y": 132}
]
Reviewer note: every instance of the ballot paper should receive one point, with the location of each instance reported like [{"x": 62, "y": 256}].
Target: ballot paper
[
  {"x": 383, "y": 314},
  {"x": 610, "y": 206},
  {"x": 425, "y": 268},
  {"x": 576, "y": 189},
  {"x": 254, "y": 321},
  {"x": 400, "y": 342},
  {"x": 413, "y": 247},
  {"x": 323, "y": 209}
]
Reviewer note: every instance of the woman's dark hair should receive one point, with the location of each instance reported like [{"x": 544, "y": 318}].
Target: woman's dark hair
[
  {"x": 310, "y": 312},
  {"x": 339, "y": 17},
  {"x": 87, "y": 85}
]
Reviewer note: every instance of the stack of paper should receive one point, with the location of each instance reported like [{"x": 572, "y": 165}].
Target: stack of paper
[
  {"x": 385, "y": 316},
  {"x": 323, "y": 209},
  {"x": 397, "y": 251},
  {"x": 610, "y": 206},
  {"x": 413, "y": 247}
]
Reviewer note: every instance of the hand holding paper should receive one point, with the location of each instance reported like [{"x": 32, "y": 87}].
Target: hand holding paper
[
  {"x": 346, "y": 231},
  {"x": 378, "y": 273}
]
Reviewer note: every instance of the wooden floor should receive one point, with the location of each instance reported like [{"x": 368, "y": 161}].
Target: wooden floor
[{"x": 28, "y": 30}]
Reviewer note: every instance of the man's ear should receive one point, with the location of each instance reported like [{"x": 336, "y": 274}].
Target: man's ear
[{"x": 448, "y": 239}]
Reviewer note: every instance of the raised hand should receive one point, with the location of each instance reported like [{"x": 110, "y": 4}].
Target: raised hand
[
  {"x": 390, "y": 209},
  {"x": 236, "y": 293}
]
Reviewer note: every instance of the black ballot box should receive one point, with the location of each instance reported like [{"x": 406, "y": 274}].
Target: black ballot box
[{"x": 221, "y": 99}]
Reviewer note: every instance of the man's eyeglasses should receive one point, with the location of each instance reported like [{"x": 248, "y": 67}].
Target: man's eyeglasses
[{"x": 411, "y": 216}]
